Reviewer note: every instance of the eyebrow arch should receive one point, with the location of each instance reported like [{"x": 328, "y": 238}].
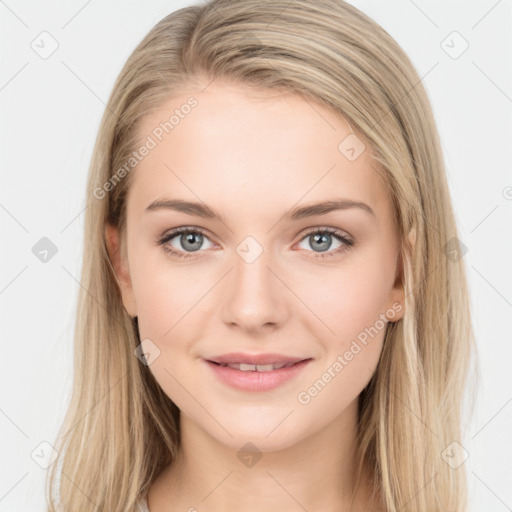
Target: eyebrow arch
[{"x": 297, "y": 213}]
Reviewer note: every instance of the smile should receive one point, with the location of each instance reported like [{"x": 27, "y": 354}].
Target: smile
[{"x": 256, "y": 377}]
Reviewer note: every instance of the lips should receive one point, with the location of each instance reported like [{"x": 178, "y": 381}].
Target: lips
[{"x": 254, "y": 377}]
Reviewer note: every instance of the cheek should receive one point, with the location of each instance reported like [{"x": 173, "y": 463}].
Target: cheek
[
  {"x": 352, "y": 305},
  {"x": 167, "y": 294},
  {"x": 347, "y": 301},
  {"x": 169, "y": 309}
]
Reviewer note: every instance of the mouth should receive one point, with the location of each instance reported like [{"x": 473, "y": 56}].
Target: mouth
[{"x": 256, "y": 377}]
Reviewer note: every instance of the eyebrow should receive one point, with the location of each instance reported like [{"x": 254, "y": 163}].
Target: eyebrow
[{"x": 297, "y": 213}]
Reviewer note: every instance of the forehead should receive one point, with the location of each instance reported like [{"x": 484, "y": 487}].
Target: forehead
[{"x": 266, "y": 147}]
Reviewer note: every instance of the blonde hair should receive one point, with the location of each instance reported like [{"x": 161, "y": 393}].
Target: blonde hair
[{"x": 120, "y": 429}]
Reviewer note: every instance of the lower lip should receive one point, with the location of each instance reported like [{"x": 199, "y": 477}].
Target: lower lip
[{"x": 256, "y": 381}]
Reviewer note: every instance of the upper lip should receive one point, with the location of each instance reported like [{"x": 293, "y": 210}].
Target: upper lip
[{"x": 239, "y": 357}]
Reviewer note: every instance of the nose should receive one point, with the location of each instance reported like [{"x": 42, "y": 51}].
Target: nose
[{"x": 253, "y": 295}]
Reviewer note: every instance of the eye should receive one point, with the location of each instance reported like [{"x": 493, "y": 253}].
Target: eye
[
  {"x": 321, "y": 239},
  {"x": 190, "y": 240}
]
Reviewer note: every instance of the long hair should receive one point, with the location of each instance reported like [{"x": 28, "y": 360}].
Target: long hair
[{"x": 120, "y": 429}]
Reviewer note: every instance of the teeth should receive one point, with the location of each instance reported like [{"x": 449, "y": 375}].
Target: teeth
[{"x": 256, "y": 367}]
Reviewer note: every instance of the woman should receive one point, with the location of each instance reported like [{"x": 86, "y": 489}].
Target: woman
[{"x": 274, "y": 312}]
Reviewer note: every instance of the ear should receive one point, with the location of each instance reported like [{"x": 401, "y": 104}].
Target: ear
[
  {"x": 120, "y": 264},
  {"x": 398, "y": 292}
]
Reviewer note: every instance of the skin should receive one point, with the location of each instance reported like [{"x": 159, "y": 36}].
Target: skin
[{"x": 253, "y": 157}]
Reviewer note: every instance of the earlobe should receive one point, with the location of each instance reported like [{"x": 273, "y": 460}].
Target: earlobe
[{"x": 120, "y": 267}]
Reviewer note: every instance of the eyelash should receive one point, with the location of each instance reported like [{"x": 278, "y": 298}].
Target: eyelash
[{"x": 340, "y": 235}]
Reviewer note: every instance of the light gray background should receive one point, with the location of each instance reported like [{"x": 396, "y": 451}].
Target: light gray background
[{"x": 51, "y": 110}]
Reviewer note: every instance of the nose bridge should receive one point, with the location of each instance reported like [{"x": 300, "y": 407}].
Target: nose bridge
[{"x": 252, "y": 267}]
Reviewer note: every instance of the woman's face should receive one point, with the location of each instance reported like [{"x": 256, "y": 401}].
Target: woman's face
[{"x": 264, "y": 278}]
